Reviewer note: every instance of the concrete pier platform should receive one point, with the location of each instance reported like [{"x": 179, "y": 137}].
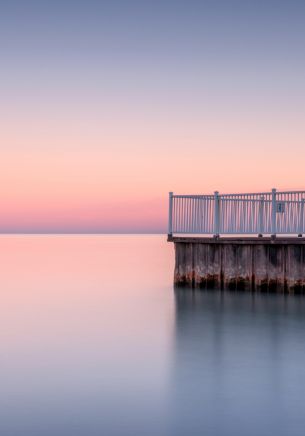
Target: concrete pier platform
[{"x": 249, "y": 263}]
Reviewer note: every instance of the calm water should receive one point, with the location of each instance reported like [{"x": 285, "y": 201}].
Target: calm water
[{"x": 94, "y": 341}]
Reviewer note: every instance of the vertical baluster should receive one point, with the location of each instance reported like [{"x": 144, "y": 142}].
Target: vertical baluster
[
  {"x": 179, "y": 213},
  {"x": 170, "y": 214},
  {"x": 186, "y": 214},
  {"x": 216, "y": 214},
  {"x": 301, "y": 223},
  {"x": 261, "y": 217},
  {"x": 273, "y": 213}
]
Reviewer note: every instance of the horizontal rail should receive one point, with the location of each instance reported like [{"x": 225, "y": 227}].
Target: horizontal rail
[{"x": 251, "y": 213}]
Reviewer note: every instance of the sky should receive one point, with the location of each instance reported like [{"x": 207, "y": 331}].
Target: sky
[{"x": 106, "y": 106}]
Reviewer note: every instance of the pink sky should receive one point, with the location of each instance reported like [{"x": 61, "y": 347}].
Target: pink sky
[{"x": 121, "y": 184}]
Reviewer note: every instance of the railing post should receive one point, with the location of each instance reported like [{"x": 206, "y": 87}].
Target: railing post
[
  {"x": 216, "y": 214},
  {"x": 273, "y": 213},
  {"x": 261, "y": 217},
  {"x": 170, "y": 214},
  {"x": 301, "y": 227}
]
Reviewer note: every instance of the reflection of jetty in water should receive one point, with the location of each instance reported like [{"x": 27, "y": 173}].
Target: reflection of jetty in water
[{"x": 238, "y": 364}]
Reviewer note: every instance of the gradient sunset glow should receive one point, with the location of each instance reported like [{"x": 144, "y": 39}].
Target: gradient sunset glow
[{"x": 107, "y": 106}]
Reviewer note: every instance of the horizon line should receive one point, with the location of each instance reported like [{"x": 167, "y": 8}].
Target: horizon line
[{"x": 82, "y": 233}]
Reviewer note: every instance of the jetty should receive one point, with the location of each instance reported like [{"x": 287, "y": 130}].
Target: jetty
[{"x": 251, "y": 241}]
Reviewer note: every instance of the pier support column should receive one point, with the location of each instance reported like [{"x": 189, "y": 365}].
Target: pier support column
[{"x": 261, "y": 264}]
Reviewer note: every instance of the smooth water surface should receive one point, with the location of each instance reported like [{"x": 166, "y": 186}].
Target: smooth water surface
[{"x": 94, "y": 341}]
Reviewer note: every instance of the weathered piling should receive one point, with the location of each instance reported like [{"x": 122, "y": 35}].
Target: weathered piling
[{"x": 259, "y": 264}]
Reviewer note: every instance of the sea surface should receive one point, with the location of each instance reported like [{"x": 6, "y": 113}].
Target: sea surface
[{"x": 96, "y": 342}]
